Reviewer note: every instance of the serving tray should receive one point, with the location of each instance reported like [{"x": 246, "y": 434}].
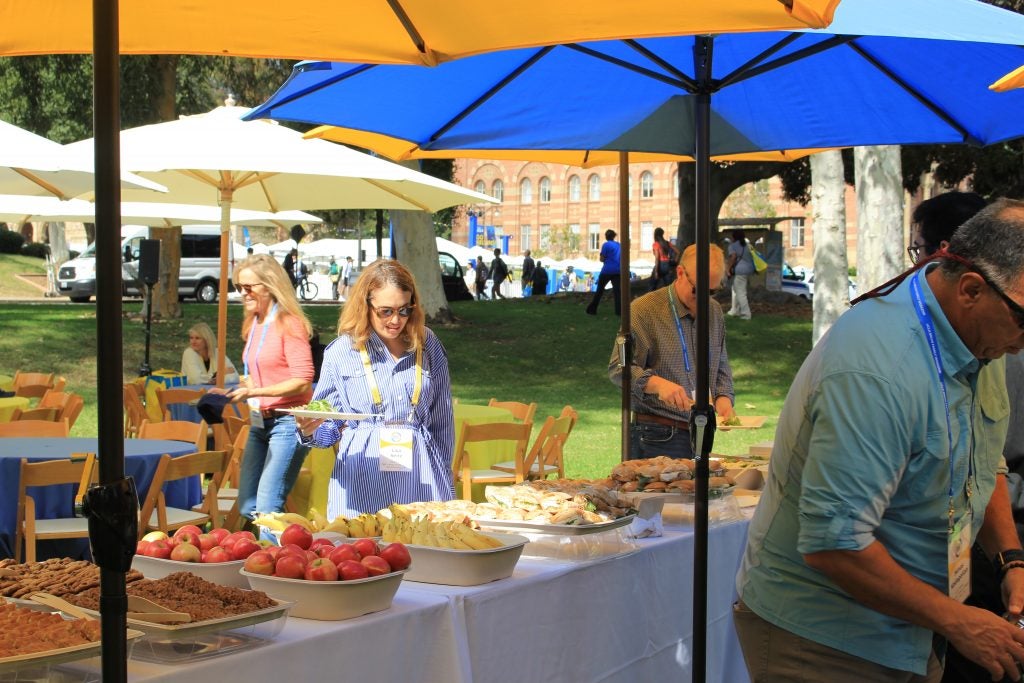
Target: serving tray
[
  {"x": 556, "y": 529},
  {"x": 324, "y": 414}
]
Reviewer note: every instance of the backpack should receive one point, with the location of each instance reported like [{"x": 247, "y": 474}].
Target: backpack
[{"x": 564, "y": 284}]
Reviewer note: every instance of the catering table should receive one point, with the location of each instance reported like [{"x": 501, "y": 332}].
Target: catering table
[
  {"x": 482, "y": 456},
  {"x": 141, "y": 458},
  {"x": 9, "y": 404},
  {"x": 625, "y": 618}
]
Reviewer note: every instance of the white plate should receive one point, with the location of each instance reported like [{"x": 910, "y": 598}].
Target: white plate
[
  {"x": 451, "y": 567},
  {"x": 557, "y": 529},
  {"x": 324, "y": 414}
]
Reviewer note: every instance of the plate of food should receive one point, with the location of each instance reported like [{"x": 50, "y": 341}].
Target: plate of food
[
  {"x": 323, "y": 410},
  {"x": 741, "y": 422}
]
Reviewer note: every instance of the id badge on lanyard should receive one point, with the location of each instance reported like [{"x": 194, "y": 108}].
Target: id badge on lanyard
[
  {"x": 396, "y": 439},
  {"x": 958, "y": 555},
  {"x": 255, "y": 416}
]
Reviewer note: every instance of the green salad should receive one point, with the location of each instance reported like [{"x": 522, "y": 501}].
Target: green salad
[
  {"x": 321, "y": 406},
  {"x": 733, "y": 421}
]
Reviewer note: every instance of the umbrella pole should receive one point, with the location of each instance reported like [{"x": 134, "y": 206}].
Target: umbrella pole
[
  {"x": 109, "y": 377},
  {"x": 702, "y": 416},
  {"x": 624, "y": 341},
  {"x": 222, "y": 292}
]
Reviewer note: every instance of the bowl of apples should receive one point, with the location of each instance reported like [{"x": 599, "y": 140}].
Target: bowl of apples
[
  {"x": 329, "y": 582},
  {"x": 216, "y": 556}
]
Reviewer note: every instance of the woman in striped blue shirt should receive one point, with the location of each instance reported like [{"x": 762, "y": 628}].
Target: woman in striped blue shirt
[{"x": 386, "y": 363}]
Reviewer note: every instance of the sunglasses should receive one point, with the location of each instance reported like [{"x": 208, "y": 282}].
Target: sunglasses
[
  {"x": 247, "y": 288},
  {"x": 387, "y": 312},
  {"x": 1015, "y": 308}
]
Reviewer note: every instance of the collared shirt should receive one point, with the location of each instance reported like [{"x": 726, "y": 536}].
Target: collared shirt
[
  {"x": 657, "y": 351},
  {"x": 862, "y": 454}
]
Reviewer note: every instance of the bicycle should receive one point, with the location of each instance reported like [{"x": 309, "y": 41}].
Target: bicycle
[{"x": 307, "y": 290}]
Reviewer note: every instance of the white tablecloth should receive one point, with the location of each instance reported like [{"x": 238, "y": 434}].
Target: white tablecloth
[{"x": 626, "y": 618}]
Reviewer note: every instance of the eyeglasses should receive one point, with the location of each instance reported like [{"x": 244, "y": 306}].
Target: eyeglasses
[
  {"x": 1015, "y": 308},
  {"x": 387, "y": 312},
  {"x": 693, "y": 285},
  {"x": 246, "y": 288}
]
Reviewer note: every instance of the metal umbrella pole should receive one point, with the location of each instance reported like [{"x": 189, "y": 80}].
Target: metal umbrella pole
[{"x": 624, "y": 341}]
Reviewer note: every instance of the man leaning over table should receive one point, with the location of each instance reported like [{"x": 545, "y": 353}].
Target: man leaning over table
[
  {"x": 858, "y": 557},
  {"x": 663, "y": 373}
]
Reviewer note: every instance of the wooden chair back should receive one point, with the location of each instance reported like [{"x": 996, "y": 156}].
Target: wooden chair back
[
  {"x": 514, "y": 432},
  {"x": 76, "y": 470},
  {"x": 522, "y": 412},
  {"x": 134, "y": 410},
  {"x": 48, "y": 414},
  {"x": 168, "y": 397},
  {"x": 54, "y": 399},
  {"x": 550, "y": 455},
  {"x": 59, "y": 382},
  {"x": 156, "y": 515},
  {"x": 39, "y": 428},
  {"x": 175, "y": 430},
  {"x": 233, "y": 468},
  {"x": 32, "y": 384},
  {"x": 72, "y": 409}
]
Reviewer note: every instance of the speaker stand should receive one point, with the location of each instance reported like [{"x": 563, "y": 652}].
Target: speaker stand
[{"x": 144, "y": 369}]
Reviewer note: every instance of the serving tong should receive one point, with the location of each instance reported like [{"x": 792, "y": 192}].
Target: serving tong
[{"x": 139, "y": 608}]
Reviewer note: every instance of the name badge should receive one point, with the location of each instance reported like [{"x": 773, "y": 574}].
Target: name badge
[
  {"x": 255, "y": 417},
  {"x": 959, "y": 557},
  {"x": 395, "y": 449}
]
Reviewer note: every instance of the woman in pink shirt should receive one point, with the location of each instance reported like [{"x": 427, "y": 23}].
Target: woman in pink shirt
[{"x": 278, "y": 374}]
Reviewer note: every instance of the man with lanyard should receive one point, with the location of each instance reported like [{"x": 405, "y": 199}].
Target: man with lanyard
[
  {"x": 663, "y": 374},
  {"x": 886, "y": 467}
]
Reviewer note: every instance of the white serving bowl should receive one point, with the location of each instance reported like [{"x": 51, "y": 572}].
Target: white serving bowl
[
  {"x": 330, "y": 600},
  {"x": 466, "y": 567},
  {"x": 223, "y": 573}
]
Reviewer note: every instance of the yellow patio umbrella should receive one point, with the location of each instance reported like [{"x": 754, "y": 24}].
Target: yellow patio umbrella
[
  {"x": 398, "y": 149},
  {"x": 1014, "y": 79},
  {"x": 397, "y": 31}
]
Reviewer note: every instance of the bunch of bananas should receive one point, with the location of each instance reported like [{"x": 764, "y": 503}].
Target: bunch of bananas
[
  {"x": 363, "y": 526},
  {"x": 436, "y": 534},
  {"x": 279, "y": 521}
]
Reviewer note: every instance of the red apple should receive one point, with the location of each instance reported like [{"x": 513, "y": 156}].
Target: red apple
[
  {"x": 344, "y": 553},
  {"x": 140, "y": 547},
  {"x": 243, "y": 548},
  {"x": 319, "y": 542},
  {"x": 324, "y": 550},
  {"x": 293, "y": 550},
  {"x": 290, "y": 567},
  {"x": 350, "y": 570},
  {"x": 160, "y": 549},
  {"x": 219, "y": 534},
  {"x": 187, "y": 537},
  {"x": 186, "y": 552},
  {"x": 310, "y": 556},
  {"x": 297, "y": 534},
  {"x": 260, "y": 562},
  {"x": 206, "y": 541},
  {"x": 273, "y": 551},
  {"x": 396, "y": 555},
  {"x": 217, "y": 554},
  {"x": 173, "y": 542},
  {"x": 376, "y": 566},
  {"x": 155, "y": 536},
  {"x": 366, "y": 546},
  {"x": 321, "y": 569},
  {"x": 187, "y": 529}
]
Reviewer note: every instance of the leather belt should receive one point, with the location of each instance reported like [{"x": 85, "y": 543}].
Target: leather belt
[
  {"x": 268, "y": 413},
  {"x": 648, "y": 418}
]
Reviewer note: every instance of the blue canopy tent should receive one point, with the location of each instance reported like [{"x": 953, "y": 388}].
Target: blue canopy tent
[{"x": 910, "y": 72}]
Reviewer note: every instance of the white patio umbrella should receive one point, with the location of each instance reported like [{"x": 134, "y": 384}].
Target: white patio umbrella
[
  {"x": 33, "y": 165},
  {"x": 218, "y": 158}
]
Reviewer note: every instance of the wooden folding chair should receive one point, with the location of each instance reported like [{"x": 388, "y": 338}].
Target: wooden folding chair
[
  {"x": 59, "y": 382},
  {"x": 175, "y": 430},
  {"x": 48, "y": 414},
  {"x": 76, "y": 470},
  {"x": 156, "y": 515},
  {"x": 134, "y": 410},
  {"x": 72, "y": 409},
  {"x": 521, "y": 412},
  {"x": 32, "y": 384},
  {"x": 227, "y": 482},
  {"x": 168, "y": 397},
  {"x": 54, "y": 399},
  {"x": 518, "y": 434},
  {"x": 43, "y": 428}
]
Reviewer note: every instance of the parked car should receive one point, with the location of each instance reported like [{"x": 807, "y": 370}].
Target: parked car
[
  {"x": 793, "y": 283},
  {"x": 850, "y": 283},
  {"x": 453, "y": 278}
]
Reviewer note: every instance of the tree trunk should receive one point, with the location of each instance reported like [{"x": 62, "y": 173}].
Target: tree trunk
[
  {"x": 58, "y": 243},
  {"x": 90, "y": 232},
  {"x": 879, "y": 179},
  {"x": 417, "y": 251},
  {"x": 165, "y": 293},
  {"x": 166, "y": 100},
  {"x": 831, "y": 293}
]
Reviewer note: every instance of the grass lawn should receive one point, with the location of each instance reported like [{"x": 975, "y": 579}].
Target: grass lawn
[{"x": 545, "y": 350}]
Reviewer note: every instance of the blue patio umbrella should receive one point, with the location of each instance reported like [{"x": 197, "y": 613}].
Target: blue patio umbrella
[{"x": 908, "y": 72}]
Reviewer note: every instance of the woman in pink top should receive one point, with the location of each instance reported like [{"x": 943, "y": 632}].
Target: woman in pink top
[{"x": 278, "y": 374}]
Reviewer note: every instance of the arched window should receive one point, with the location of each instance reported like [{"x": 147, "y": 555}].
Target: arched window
[
  {"x": 498, "y": 190},
  {"x": 574, "y": 188},
  {"x": 525, "y": 191},
  {"x": 480, "y": 187},
  {"x": 594, "y": 188},
  {"x": 545, "y": 190},
  {"x": 646, "y": 185}
]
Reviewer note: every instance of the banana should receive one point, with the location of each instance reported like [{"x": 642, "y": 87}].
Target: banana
[
  {"x": 421, "y": 537},
  {"x": 356, "y": 528},
  {"x": 452, "y": 540},
  {"x": 369, "y": 524},
  {"x": 317, "y": 519},
  {"x": 295, "y": 518},
  {"x": 475, "y": 539},
  {"x": 269, "y": 522},
  {"x": 338, "y": 525}
]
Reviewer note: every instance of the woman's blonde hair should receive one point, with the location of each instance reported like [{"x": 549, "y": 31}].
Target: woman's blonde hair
[
  {"x": 203, "y": 331},
  {"x": 355, "y": 314},
  {"x": 272, "y": 276}
]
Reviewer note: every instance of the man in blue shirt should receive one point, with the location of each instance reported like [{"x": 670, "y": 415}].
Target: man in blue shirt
[
  {"x": 610, "y": 251},
  {"x": 887, "y": 465}
]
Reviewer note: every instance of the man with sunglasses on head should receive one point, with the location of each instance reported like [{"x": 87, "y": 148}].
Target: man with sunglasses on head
[
  {"x": 887, "y": 466},
  {"x": 664, "y": 374}
]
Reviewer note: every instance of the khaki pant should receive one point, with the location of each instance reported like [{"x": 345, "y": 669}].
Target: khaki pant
[{"x": 775, "y": 655}]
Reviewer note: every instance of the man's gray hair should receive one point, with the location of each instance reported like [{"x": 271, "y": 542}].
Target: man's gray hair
[{"x": 993, "y": 240}]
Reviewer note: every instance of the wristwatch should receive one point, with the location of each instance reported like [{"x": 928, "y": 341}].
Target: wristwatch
[{"x": 1008, "y": 559}]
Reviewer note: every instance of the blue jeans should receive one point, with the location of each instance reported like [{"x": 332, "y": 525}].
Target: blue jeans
[
  {"x": 651, "y": 440},
  {"x": 270, "y": 466}
]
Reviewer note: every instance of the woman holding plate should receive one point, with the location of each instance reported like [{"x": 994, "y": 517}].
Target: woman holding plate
[{"x": 387, "y": 365}]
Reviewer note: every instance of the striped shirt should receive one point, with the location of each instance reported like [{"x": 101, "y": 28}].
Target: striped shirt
[
  {"x": 657, "y": 351},
  {"x": 357, "y": 483}
]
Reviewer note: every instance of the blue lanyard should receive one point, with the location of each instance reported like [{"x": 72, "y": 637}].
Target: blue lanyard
[
  {"x": 925, "y": 318},
  {"x": 679, "y": 326},
  {"x": 263, "y": 338}
]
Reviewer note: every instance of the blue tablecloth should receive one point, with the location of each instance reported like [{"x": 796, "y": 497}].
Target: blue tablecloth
[{"x": 141, "y": 458}]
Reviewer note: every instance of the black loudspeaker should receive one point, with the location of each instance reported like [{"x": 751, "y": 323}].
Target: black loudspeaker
[{"x": 149, "y": 261}]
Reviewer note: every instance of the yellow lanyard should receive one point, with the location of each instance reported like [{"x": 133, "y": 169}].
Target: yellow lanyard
[{"x": 371, "y": 379}]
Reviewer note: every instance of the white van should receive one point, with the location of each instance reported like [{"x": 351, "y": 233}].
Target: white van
[{"x": 198, "y": 277}]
